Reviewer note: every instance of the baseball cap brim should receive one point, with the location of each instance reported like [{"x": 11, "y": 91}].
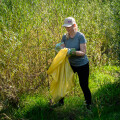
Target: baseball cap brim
[{"x": 66, "y": 25}]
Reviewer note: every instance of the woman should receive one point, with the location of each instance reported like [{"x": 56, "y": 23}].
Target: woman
[{"x": 78, "y": 59}]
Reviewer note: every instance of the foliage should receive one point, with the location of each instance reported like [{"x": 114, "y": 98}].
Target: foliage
[{"x": 30, "y": 29}]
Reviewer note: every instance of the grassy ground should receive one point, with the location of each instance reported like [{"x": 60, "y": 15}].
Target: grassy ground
[{"x": 105, "y": 97}]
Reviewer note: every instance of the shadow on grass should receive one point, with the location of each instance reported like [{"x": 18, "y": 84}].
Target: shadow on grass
[
  {"x": 107, "y": 100},
  {"x": 37, "y": 108},
  {"x": 42, "y": 111},
  {"x": 106, "y": 104}
]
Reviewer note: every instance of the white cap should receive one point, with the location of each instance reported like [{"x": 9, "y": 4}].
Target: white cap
[{"x": 68, "y": 22}]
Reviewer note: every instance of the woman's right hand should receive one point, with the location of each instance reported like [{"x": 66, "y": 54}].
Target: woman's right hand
[
  {"x": 62, "y": 45},
  {"x": 59, "y": 46}
]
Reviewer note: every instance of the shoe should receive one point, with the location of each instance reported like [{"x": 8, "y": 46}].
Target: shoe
[
  {"x": 89, "y": 107},
  {"x": 61, "y": 102},
  {"x": 57, "y": 104}
]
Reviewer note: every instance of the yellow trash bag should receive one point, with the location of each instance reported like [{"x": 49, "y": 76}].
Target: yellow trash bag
[{"x": 62, "y": 75}]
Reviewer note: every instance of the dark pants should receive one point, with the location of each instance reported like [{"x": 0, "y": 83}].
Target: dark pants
[{"x": 83, "y": 74}]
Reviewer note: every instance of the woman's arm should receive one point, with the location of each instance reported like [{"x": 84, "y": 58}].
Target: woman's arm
[{"x": 82, "y": 51}]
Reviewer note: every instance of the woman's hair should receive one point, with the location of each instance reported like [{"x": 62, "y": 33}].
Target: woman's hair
[{"x": 75, "y": 29}]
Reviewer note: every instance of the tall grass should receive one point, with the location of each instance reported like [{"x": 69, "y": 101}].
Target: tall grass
[{"x": 29, "y": 31}]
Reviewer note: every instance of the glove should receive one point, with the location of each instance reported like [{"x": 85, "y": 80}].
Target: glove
[
  {"x": 71, "y": 51},
  {"x": 58, "y": 46}
]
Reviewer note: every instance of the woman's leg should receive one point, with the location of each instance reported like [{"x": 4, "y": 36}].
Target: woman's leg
[
  {"x": 61, "y": 101},
  {"x": 83, "y": 74}
]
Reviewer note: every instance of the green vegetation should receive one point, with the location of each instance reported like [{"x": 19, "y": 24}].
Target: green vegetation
[
  {"x": 29, "y": 31},
  {"x": 106, "y": 102}
]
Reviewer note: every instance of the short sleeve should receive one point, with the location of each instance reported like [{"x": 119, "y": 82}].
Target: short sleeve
[{"x": 82, "y": 39}]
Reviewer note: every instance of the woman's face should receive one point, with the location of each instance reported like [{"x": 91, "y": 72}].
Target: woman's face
[{"x": 70, "y": 29}]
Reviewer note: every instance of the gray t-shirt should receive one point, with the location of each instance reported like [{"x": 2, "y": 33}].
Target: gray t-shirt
[{"x": 75, "y": 43}]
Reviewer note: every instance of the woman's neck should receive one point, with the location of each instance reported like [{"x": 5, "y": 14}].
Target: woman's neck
[{"x": 71, "y": 35}]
